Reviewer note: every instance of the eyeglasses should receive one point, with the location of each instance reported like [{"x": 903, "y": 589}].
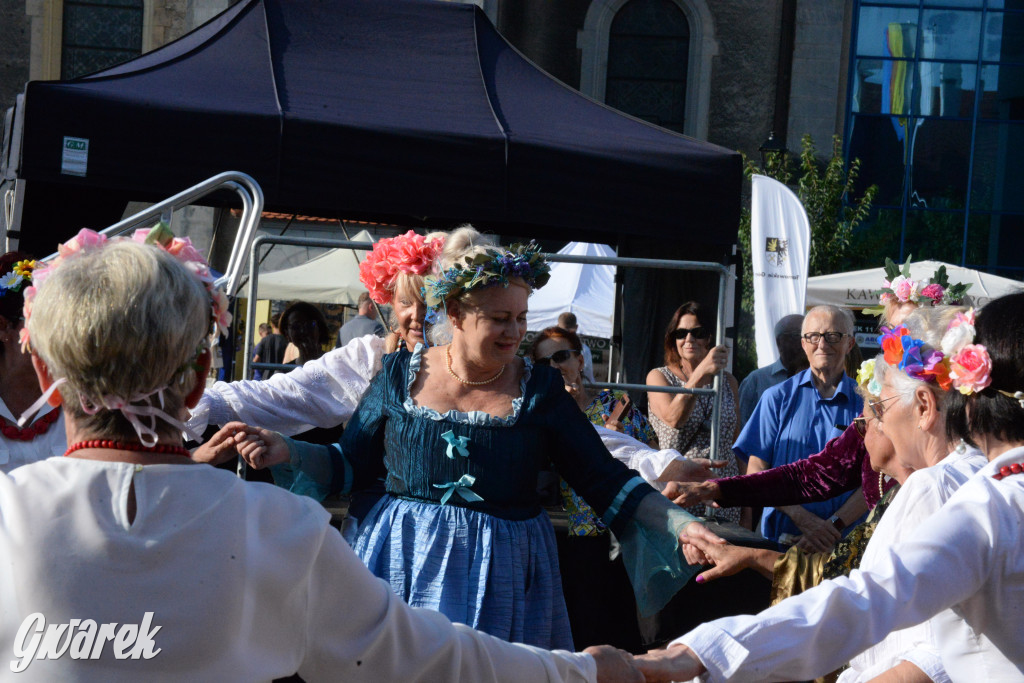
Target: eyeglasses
[
  {"x": 558, "y": 357},
  {"x": 697, "y": 332},
  {"x": 829, "y": 337},
  {"x": 878, "y": 407}
]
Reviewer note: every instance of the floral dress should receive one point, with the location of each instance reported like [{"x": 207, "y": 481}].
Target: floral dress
[
  {"x": 693, "y": 440},
  {"x": 580, "y": 517}
]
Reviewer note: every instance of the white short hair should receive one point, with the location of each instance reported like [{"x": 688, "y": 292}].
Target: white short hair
[
  {"x": 843, "y": 316},
  {"x": 121, "y": 321}
]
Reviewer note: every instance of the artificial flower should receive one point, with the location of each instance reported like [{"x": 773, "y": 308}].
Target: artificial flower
[
  {"x": 892, "y": 346},
  {"x": 934, "y": 291},
  {"x": 959, "y": 333},
  {"x": 10, "y": 281},
  {"x": 971, "y": 369},
  {"x": 25, "y": 268}
]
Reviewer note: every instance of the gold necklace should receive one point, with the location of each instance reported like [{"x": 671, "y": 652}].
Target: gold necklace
[{"x": 448, "y": 362}]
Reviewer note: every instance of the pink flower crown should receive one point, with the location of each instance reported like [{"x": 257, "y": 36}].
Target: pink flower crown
[
  {"x": 159, "y": 236},
  {"x": 960, "y": 363},
  {"x": 898, "y": 286},
  {"x": 410, "y": 253}
]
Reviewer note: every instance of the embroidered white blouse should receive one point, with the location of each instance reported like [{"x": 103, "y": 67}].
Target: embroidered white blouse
[
  {"x": 923, "y": 493},
  {"x": 244, "y": 582},
  {"x": 968, "y": 556}
]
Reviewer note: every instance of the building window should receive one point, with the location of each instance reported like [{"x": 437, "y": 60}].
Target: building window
[
  {"x": 98, "y": 34},
  {"x": 648, "y": 50},
  {"x": 651, "y": 59},
  {"x": 936, "y": 116}
]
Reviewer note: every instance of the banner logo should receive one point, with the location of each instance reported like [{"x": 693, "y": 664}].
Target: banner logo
[
  {"x": 82, "y": 639},
  {"x": 775, "y": 250}
]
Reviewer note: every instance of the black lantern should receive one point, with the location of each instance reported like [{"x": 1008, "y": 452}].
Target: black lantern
[{"x": 769, "y": 148}]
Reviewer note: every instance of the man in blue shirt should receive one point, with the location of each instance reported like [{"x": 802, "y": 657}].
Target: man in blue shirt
[{"x": 797, "y": 418}]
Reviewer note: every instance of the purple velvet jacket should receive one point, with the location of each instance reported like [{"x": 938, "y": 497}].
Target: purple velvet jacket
[{"x": 842, "y": 466}]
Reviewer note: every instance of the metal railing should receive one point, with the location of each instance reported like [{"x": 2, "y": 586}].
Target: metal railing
[
  {"x": 723, "y": 276},
  {"x": 252, "y": 208}
]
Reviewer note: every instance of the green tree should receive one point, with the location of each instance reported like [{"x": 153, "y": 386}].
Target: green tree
[{"x": 826, "y": 189}]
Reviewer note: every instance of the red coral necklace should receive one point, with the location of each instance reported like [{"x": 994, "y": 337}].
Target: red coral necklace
[{"x": 38, "y": 427}]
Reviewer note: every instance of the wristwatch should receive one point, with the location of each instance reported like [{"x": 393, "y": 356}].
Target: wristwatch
[{"x": 835, "y": 521}]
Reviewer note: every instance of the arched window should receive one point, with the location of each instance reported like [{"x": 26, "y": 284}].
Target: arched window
[
  {"x": 648, "y": 51},
  {"x": 651, "y": 59},
  {"x": 98, "y": 34}
]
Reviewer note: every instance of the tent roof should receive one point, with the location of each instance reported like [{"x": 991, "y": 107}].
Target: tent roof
[
  {"x": 857, "y": 288},
  {"x": 586, "y": 290},
  {"x": 406, "y": 110},
  {"x": 331, "y": 278}
]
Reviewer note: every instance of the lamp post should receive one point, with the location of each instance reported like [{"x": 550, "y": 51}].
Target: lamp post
[{"x": 770, "y": 150}]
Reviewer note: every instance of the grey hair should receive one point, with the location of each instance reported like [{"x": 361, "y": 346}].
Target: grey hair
[
  {"x": 928, "y": 324},
  {"x": 122, "y": 321},
  {"x": 843, "y": 315}
]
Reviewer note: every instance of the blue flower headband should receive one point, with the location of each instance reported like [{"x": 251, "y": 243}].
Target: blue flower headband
[{"x": 493, "y": 267}]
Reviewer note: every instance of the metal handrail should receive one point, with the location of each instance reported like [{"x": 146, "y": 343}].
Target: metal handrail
[
  {"x": 252, "y": 208},
  {"x": 723, "y": 275}
]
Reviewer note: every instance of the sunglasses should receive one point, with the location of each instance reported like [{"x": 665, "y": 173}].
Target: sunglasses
[
  {"x": 861, "y": 425},
  {"x": 697, "y": 332},
  {"x": 558, "y": 357}
]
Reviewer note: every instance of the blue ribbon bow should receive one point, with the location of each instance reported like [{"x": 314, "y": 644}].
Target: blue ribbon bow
[
  {"x": 462, "y": 486},
  {"x": 457, "y": 443}
]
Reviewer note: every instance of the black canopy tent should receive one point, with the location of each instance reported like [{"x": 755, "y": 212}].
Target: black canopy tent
[{"x": 405, "y": 111}]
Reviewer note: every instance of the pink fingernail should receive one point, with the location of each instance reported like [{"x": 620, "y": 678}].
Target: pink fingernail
[{"x": 700, "y": 579}]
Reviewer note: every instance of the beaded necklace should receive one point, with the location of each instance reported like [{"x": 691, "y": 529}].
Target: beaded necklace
[
  {"x": 38, "y": 427},
  {"x": 1007, "y": 470},
  {"x": 129, "y": 446},
  {"x": 448, "y": 362}
]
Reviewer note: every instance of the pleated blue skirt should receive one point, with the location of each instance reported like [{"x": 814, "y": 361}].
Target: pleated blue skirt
[{"x": 496, "y": 575}]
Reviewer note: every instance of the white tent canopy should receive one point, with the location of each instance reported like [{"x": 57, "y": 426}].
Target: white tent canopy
[
  {"x": 584, "y": 289},
  {"x": 331, "y": 278},
  {"x": 858, "y": 288}
]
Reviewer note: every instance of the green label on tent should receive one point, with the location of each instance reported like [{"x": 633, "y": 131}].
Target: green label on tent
[{"x": 75, "y": 158}]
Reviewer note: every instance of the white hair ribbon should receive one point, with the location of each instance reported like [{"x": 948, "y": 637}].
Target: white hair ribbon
[{"x": 40, "y": 402}]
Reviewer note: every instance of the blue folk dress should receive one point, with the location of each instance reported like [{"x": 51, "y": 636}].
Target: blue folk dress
[{"x": 461, "y": 529}]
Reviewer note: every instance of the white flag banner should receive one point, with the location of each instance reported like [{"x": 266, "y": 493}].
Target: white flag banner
[{"x": 780, "y": 245}]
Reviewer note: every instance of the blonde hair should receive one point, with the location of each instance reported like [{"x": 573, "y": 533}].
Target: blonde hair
[
  {"x": 464, "y": 241},
  {"x": 122, "y": 321}
]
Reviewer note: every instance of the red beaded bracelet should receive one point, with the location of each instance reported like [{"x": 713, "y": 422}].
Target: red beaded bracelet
[{"x": 128, "y": 446}]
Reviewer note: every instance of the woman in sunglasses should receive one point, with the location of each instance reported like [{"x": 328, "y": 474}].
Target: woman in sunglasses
[{"x": 683, "y": 421}]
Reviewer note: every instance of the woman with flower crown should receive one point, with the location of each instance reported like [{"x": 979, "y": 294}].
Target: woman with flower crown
[
  {"x": 43, "y": 436},
  {"x": 139, "y": 564},
  {"x": 962, "y": 567},
  {"x": 913, "y": 384},
  {"x": 461, "y": 431},
  {"x": 324, "y": 392}
]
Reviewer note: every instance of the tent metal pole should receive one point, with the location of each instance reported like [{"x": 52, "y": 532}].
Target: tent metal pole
[{"x": 719, "y": 380}]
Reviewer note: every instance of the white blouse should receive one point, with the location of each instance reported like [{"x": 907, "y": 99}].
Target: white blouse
[
  {"x": 638, "y": 456},
  {"x": 968, "y": 556},
  {"x": 923, "y": 493},
  {"x": 322, "y": 393},
  {"x": 240, "y": 582},
  {"x": 15, "y": 453}
]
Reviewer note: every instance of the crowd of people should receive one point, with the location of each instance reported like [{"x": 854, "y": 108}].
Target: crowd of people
[{"x": 894, "y": 497}]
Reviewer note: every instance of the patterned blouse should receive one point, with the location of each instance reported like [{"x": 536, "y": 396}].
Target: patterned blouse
[
  {"x": 581, "y": 519},
  {"x": 693, "y": 440}
]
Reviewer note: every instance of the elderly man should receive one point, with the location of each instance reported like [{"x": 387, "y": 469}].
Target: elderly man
[
  {"x": 791, "y": 361},
  {"x": 796, "y": 418},
  {"x": 365, "y": 322}
]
